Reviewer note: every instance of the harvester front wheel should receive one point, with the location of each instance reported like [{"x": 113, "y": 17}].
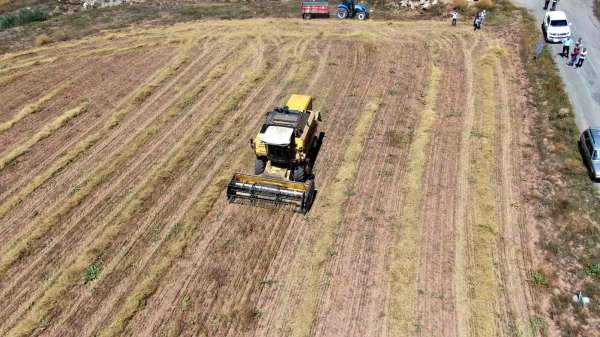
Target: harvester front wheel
[
  {"x": 259, "y": 165},
  {"x": 309, "y": 196},
  {"x": 299, "y": 173}
]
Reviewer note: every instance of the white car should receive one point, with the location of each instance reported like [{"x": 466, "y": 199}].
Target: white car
[{"x": 556, "y": 26}]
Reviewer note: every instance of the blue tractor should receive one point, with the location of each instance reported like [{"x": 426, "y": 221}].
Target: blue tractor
[{"x": 348, "y": 9}]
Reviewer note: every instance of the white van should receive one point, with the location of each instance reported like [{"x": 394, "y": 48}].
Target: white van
[{"x": 556, "y": 26}]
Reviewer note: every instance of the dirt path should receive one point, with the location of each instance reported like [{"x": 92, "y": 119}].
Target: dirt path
[{"x": 463, "y": 233}]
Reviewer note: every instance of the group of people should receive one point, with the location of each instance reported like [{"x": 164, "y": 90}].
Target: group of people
[
  {"x": 577, "y": 56},
  {"x": 477, "y": 21}
]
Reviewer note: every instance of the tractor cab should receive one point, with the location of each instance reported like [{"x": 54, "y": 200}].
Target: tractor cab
[{"x": 350, "y": 9}]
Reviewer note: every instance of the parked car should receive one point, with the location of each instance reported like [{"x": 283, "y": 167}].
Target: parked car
[
  {"x": 556, "y": 27},
  {"x": 589, "y": 146}
]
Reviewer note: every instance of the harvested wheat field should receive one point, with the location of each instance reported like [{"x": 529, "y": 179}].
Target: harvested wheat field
[{"x": 115, "y": 152}]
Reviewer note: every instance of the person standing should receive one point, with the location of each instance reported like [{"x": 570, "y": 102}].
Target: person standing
[
  {"x": 454, "y": 17},
  {"x": 582, "y": 57},
  {"x": 554, "y": 3},
  {"x": 477, "y": 23},
  {"x": 482, "y": 15},
  {"x": 546, "y": 3},
  {"x": 574, "y": 56},
  {"x": 566, "y": 47}
]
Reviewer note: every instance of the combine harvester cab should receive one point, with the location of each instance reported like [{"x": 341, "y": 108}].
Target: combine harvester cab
[{"x": 285, "y": 150}]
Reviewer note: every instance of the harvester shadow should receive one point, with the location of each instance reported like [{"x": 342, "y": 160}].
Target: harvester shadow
[{"x": 314, "y": 154}]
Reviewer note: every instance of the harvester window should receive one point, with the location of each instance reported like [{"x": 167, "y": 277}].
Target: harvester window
[{"x": 279, "y": 154}]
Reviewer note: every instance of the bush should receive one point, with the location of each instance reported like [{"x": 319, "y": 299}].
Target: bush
[
  {"x": 593, "y": 269},
  {"x": 22, "y": 17},
  {"x": 26, "y": 15},
  {"x": 43, "y": 39},
  {"x": 91, "y": 272},
  {"x": 60, "y": 35},
  {"x": 539, "y": 279},
  {"x": 485, "y": 4},
  {"x": 7, "y": 21},
  {"x": 460, "y": 5},
  {"x": 439, "y": 9}
]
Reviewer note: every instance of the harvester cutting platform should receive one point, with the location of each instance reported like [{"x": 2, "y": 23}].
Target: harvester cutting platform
[{"x": 285, "y": 150}]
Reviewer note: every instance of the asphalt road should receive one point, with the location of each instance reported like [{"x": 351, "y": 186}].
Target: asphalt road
[{"x": 582, "y": 84}]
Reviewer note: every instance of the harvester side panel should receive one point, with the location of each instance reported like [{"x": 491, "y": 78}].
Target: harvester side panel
[
  {"x": 303, "y": 142},
  {"x": 260, "y": 149}
]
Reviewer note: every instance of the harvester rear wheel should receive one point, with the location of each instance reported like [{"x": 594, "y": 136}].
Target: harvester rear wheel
[{"x": 259, "y": 165}]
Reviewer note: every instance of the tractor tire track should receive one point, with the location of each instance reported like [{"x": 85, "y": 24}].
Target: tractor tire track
[{"x": 463, "y": 238}]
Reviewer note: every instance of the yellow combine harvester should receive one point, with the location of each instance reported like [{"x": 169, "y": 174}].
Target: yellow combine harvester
[{"x": 285, "y": 149}]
